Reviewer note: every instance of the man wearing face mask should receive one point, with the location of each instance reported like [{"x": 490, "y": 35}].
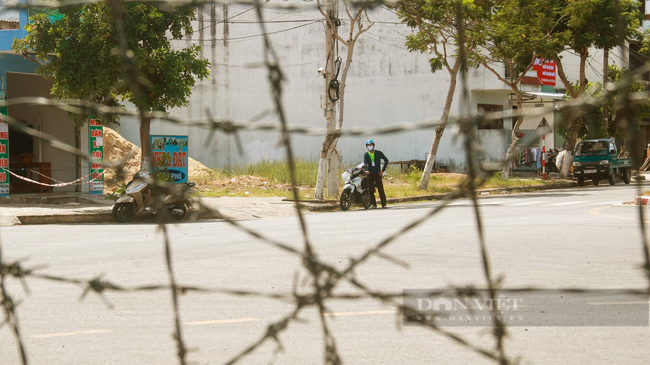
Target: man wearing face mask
[{"x": 372, "y": 163}]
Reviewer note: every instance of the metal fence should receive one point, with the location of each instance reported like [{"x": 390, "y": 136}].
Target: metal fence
[{"x": 325, "y": 277}]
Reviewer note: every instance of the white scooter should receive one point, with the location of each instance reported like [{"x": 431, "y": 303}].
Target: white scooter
[{"x": 356, "y": 188}]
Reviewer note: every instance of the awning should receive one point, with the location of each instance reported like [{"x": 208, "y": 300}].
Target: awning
[{"x": 542, "y": 95}]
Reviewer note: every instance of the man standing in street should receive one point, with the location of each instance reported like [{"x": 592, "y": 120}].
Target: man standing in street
[{"x": 372, "y": 163}]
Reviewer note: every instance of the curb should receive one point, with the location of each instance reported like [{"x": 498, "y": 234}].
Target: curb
[
  {"x": 99, "y": 218},
  {"x": 326, "y": 205},
  {"x": 641, "y": 200}
]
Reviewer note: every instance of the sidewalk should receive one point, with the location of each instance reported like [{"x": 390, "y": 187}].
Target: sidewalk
[
  {"x": 84, "y": 208},
  {"x": 77, "y": 208}
]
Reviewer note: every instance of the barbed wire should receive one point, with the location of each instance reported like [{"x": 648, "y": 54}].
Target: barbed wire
[{"x": 324, "y": 278}]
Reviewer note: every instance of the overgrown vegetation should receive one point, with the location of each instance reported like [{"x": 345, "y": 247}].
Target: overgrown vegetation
[{"x": 271, "y": 178}]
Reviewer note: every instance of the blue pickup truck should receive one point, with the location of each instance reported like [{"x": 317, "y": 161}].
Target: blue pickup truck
[{"x": 598, "y": 159}]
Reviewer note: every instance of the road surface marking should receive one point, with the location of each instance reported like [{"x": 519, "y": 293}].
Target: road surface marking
[
  {"x": 606, "y": 203},
  {"x": 70, "y": 333},
  {"x": 338, "y": 314},
  {"x": 568, "y": 203},
  {"x": 219, "y": 321},
  {"x": 618, "y": 303},
  {"x": 529, "y": 203},
  {"x": 490, "y": 203},
  {"x": 598, "y": 213},
  {"x": 457, "y": 204}
]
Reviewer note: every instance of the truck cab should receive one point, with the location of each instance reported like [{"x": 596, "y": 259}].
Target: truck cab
[{"x": 597, "y": 159}]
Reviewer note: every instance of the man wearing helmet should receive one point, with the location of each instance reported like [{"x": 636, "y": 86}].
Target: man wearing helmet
[{"x": 372, "y": 163}]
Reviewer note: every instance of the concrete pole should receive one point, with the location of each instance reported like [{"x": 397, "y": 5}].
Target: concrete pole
[
  {"x": 330, "y": 110},
  {"x": 605, "y": 76}
]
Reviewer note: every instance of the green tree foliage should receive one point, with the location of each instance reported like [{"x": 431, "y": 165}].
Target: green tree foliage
[
  {"x": 78, "y": 52},
  {"x": 437, "y": 32},
  {"x": 579, "y": 26},
  {"x": 591, "y": 123}
]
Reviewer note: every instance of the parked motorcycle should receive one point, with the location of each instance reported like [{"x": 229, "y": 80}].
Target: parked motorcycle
[
  {"x": 138, "y": 195},
  {"x": 551, "y": 155},
  {"x": 356, "y": 189}
]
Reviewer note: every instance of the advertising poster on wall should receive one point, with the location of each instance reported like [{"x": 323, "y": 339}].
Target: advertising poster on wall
[
  {"x": 4, "y": 148},
  {"x": 172, "y": 152},
  {"x": 97, "y": 153},
  {"x": 546, "y": 70}
]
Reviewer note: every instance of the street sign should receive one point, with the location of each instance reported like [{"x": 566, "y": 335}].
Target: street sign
[
  {"x": 96, "y": 130},
  {"x": 175, "y": 147},
  {"x": 543, "y": 127}
]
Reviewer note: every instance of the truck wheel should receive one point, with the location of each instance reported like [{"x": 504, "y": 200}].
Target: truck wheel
[
  {"x": 627, "y": 175},
  {"x": 581, "y": 181},
  {"x": 596, "y": 182},
  {"x": 611, "y": 179}
]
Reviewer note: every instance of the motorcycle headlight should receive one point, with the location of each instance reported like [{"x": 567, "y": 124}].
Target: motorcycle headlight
[
  {"x": 604, "y": 162},
  {"x": 577, "y": 164}
]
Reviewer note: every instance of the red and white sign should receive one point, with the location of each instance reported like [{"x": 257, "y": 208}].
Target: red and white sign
[{"x": 545, "y": 71}]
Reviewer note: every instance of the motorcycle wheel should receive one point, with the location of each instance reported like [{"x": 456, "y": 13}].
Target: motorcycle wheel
[
  {"x": 365, "y": 200},
  {"x": 346, "y": 200},
  {"x": 177, "y": 211},
  {"x": 122, "y": 212}
]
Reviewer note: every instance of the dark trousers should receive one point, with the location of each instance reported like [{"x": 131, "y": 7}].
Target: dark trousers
[{"x": 375, "y": 182}]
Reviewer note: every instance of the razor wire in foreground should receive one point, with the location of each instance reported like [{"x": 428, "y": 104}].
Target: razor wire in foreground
[{"x": 427, "y": 309}]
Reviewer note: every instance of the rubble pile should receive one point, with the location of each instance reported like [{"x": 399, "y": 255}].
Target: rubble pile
[{"x": 117, "y": 147}]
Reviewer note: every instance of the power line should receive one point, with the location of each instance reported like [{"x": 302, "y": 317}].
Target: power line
[{"x": 259, "y": 35}]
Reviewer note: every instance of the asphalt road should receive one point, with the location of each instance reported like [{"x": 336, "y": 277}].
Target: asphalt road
[{"x": 581, "y": 238}]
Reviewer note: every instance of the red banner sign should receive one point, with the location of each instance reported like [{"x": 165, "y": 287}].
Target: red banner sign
[{"x": 545, "y": 71}]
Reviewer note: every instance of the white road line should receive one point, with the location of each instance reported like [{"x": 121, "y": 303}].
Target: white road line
[
  {"x": 568, "y": 203},
  {"x": 457, "y": 204},
  {"x": 490, "y": 203},
  {"x": 618, "y": 303},
  {"x": 606, "y": 203},
  {"x": 62, "y": 334},
  {"x": 339, "y": 314},
  {"x": 219, "y": 321},
  {"x": 529, "y": 203}
]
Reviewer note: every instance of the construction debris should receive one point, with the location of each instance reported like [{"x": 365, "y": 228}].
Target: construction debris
[{"x": 117, "y": 147}]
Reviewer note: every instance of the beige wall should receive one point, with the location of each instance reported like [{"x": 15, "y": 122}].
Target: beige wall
[{"x": 54, "y": 122}]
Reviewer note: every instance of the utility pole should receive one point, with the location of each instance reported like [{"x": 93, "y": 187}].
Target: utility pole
[
  {"x": 605, "y": 77},
  {"x": 330, "y": 97}
]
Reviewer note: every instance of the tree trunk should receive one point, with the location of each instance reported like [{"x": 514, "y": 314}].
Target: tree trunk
[
  {"x": 575, "y": 115},
  {"x": 515, "y": 141},
  {"x": 145, "y": 158},
  {"x": 320, "y": 180},
  {"x": 574, "y": 126},
  {"x": 431, "y": 159},
  {"x": 332, "y": 171},
  {"x": 322, "y": 165}
]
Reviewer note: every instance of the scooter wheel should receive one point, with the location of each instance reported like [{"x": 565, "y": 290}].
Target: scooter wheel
[
  {"x": 177, "y": 211},
  {"x": 346, "y": 200},
  {"x": 366, "y": 201},
  {"x": 122, "y": 212}
]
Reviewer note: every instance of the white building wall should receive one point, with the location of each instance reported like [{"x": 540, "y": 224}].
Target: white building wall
[{"x": 386, "y": 85}]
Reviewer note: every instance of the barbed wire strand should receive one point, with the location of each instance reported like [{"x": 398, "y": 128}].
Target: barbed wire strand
[{"x": 324, "y": 278}]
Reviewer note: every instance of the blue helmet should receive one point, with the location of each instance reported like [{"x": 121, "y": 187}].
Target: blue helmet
[{"x": 370, "y": 141}]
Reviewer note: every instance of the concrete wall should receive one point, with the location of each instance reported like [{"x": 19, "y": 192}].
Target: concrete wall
[
  {"x": 7, "y": 36},
  {"x": 54, "y": 122},
  {"x": 386, "y": 85}
]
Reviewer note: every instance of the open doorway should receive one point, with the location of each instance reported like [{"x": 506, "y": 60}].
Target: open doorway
[{"x": 29, "y": 157}]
